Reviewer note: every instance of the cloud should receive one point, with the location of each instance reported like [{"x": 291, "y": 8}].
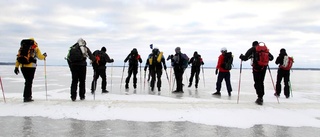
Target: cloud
[{"x": 203, "y": 26}]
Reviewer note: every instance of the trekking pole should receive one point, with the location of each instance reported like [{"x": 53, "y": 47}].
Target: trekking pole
[
  {"x": 45, "y": 78},
  {"x": 168, "y": 79},
  {"x": 4, "y": 98},
  {"x": 239, "y": 82},
  {"x": 204, "y": 82},
  {"x": 144, "y": 79},
  {"x": 290, "y": 88},
  {"x": 140, "y": 77},
  {"x": 275, "y": 91},
  {"x": 94, "y": 84},
  {"x": 124, "y": 64},
  {"x": 111, "y": 74}
]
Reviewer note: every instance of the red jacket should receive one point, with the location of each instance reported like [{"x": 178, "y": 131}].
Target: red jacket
[{"x": 220, "y": 61}]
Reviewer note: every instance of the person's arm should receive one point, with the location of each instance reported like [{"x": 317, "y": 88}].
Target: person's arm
[
  {"x": 139, "y": 58},
  {"x": 108, "y": 59},
  {"x": 39, "y": 54},
  {"x": 90, "y": 55},
  {"x": 127, "y": 58},
  {"x": 248, "y": 54},
  {"x": 164, "y": 63}
]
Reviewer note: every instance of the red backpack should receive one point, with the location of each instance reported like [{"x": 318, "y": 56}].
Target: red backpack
[
  {"x": 262, "y": 54},
  {"x": 287, "y": 63}
]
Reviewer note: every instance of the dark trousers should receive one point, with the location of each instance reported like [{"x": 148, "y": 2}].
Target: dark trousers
[
  {"x": 78, "y": 75},
  {"x": 226, "y": 77},
  {"x": 28, "y": 74},
  {"x": 155, "y": 74},
  {"x": 99, "y": 73},
  {"x": 178, "y": 73},
  {"x": 195, "y": 71},
  {"x": 258, "y": 77},
  {"x": 132, "y": 70},
  {"x": 285, "y": 74}
]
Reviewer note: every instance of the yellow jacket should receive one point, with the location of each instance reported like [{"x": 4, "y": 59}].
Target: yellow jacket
[{"x": 36, "y": 54}]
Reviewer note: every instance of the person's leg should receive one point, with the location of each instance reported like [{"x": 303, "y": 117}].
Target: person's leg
[
  {"x": 191, "y": 76},
  {"x": 228, "y": 83},
  {"x": 94, "y": 81},
  {"x": 74, "y": 82},
  {"x": 153, "y": 78},
  {"x": 286, "y": 84},
  {"x": 28, "y": 74},
  {"x": 197, "y": 76},
  {"x": 135, "y": 72},
  {"x": 103, "y": 76},
  {"x": 159, "y": 74},
  {"x": 82, "y": 81},
  {"x": 219, "y": 80},
  {"x": 278, "y": 82},
  {"x": 128, "y": 77}
]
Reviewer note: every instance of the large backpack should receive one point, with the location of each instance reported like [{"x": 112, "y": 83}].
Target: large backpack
[
  {"x": 197, "y": 61},
  {"x": 100, "y": 58},
  {"x": 75, "y": 54},
  {"x": 261, "y": 56},
  {"x": 227, "y": 62},
  {"x": 26, "y": 48},
  {"x": 185, "y": 60},
  {"x": 287, "y": 63}
]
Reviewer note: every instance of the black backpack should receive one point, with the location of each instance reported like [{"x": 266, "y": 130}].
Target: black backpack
[
  {"x": 75, "y": 54},
  {"x": 24, "y": 54},
  {"x": 100, "y": 59},
  {"x": 227, "y": 62},
  {"x": 197, "y": 61}
]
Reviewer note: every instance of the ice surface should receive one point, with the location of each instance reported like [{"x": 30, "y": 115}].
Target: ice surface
[{"x": 194, "y": 105}]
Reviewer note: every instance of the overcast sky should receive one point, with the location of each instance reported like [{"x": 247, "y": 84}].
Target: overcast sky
[{"x": 203, "y": 25}]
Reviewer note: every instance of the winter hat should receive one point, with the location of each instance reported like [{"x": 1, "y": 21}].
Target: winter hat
[
  {"x": 195, "y": 53},
  {"x": 223, "y": 49},
  {"x": 283, "y": 51},
  {"x": 255, "y": 43},
  {"x": 103, "y": 49},
  {"x": 81, "y": 42},
  {"x": 177, "y": 50}
]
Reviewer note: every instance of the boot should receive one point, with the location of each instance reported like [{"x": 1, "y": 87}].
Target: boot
[
  {"x": 259, "y": 101},
  {"x": 105, "y": 91},
  {"x": 190, "y": 84},
  {"x": 217, "y": 93},
  {"x": 127, "y": 86}
]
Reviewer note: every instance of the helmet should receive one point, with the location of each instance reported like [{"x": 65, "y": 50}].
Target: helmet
[{"x": 224, "y": 49}]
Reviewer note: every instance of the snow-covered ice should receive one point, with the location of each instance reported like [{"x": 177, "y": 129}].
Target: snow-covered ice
[{"x": 194, "y": 105}]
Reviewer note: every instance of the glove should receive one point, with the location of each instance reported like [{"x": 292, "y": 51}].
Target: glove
[
  {"x": 44, "y": 54},
  {"x": 16, "y": 70},
  {"x": 111, "y": 60},
  {"x": 165, "y": 67},
  {"x": 145, "y": 68},
  {"x": 217, "y": 71},
  {"x": 242, "y": 57}
]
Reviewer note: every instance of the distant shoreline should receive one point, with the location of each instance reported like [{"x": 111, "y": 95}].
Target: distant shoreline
[{"x": 12, "y": 63}]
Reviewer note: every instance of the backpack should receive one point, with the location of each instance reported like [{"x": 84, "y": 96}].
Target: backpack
[
  {"x": 261, "y": 56},
  {"x": 100, "y": 59},
  {"x": 287, "y": 63},
  {"x": 185, "y": 60},
  {"x": 227, "y": 62},
  {"x": 26, "y": 48},
  {"x": 197, "y": 61},
  {"x": 75, "y": 54}
]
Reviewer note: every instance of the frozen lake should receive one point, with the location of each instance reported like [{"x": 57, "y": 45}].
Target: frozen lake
[{"x": 169, "y": 114}]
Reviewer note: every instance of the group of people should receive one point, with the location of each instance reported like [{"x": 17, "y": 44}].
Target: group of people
[{"x": 155, "y": 62}]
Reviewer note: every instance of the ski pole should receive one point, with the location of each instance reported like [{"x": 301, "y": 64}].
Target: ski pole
[
  {"x": 204, "y": 82},
  {"x": 275, "y": 91},
  {"x": 94, "y": 84},
  {"x": 290, "y": 88},
  {"x": 144, "y": 79},
  {"x": 4, "y": 98},
  {"x": 111, "y": 74},
  {"x": 140, "y": 76},
  {"x": 168, "y": 79},
  {"x": 239, "y": 82},
  {"x": 124, "y": 64},
  {"x": 45, "y": 77}
]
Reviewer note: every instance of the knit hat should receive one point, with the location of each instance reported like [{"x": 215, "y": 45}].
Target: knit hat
[
  {"x": 177, "y": 50},
  {"x": 103, "y": 49},
  {"x": 81, "y": 42},
  {"x": 255, "y": 43},
  {"x": 223, "y": 49}
]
